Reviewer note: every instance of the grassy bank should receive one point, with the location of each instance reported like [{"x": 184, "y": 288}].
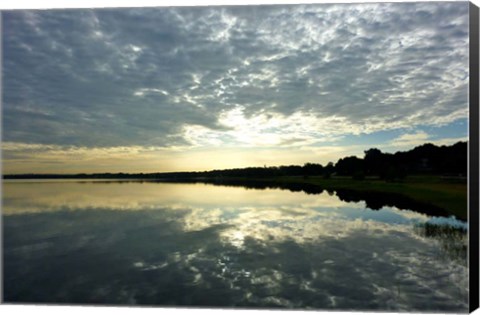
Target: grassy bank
[{"x": 449, "y": 194}]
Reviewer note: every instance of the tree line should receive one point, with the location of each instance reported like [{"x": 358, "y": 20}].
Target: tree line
[{"x": 425, "y": 159}]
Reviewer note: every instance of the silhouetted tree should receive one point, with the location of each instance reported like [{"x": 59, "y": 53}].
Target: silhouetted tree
[
  {"x": 312, "y": 169},
  {"x": 374, "y": 161},
  {"x": 349, "y": 166},
  {"x": 328, "y": 170}
]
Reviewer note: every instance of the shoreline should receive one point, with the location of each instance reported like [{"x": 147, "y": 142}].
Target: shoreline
[{"x": 447, "y": 193}]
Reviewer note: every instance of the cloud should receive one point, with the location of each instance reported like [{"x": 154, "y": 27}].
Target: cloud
[
  {"x": 148, "y": 77},
  {"x": 410, "y": 140},
  {"x": 39, "y": 158}
]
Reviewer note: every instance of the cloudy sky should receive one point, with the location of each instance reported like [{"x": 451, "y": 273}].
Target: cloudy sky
[{"x": 169, "y": 89}]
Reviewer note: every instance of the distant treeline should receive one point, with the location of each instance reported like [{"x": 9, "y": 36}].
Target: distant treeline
[{"x": 424, "y": 159}]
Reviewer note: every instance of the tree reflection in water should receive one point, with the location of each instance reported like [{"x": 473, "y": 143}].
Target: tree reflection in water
[
  {"x": 373, "y": 200},
  {"x": 275, "y": 252}
]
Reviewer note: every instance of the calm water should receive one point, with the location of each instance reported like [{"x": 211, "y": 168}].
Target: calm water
[{"x": 196, "y": 244}]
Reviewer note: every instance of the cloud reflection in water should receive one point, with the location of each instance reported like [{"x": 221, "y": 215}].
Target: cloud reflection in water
[{"x": 179, "y": 244}]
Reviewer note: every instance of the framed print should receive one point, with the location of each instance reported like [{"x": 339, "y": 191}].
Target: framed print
[{"x": 318, "y": 156}]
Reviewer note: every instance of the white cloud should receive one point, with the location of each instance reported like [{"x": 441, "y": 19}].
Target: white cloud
[
  {"x": 142, "y": 92},
  {"x": 410, "y": 140}
]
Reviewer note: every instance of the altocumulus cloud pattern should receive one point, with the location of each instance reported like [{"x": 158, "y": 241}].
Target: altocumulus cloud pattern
[{"x": 173, "y": 77}]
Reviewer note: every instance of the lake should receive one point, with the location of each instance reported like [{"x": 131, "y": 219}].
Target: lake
[{"x": 180, "y": 244}]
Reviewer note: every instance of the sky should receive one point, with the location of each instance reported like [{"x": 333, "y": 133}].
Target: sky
[{"x": 199, "y": 88}]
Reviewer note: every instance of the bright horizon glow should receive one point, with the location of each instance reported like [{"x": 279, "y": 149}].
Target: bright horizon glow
[{"x": 117, "y": 160}]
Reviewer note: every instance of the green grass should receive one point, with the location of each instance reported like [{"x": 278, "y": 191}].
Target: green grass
[{"x": 449, "y": 194}]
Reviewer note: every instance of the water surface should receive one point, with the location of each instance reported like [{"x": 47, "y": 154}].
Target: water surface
[{"x": 203, "y": 245}]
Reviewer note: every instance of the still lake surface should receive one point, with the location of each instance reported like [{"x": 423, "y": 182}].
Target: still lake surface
[{"x": 146, "y": 243}]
